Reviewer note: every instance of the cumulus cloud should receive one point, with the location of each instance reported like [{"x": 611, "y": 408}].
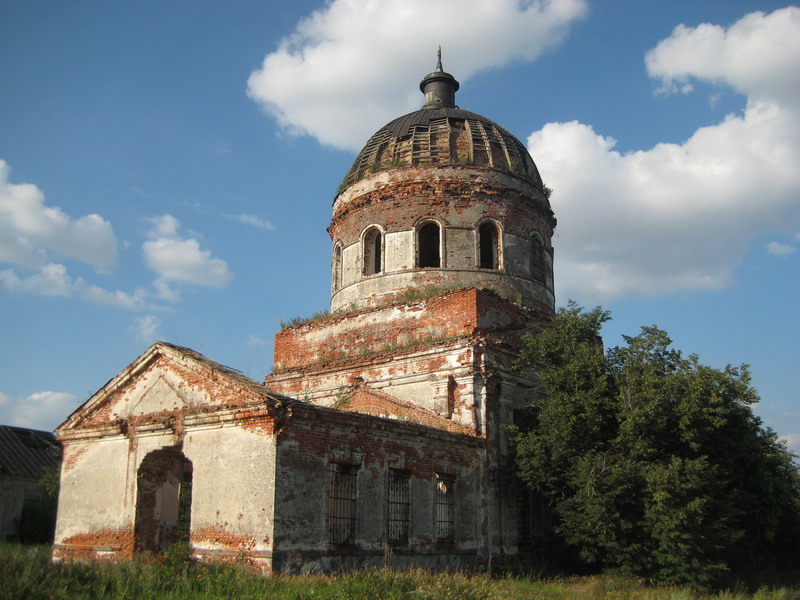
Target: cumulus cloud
[
  {"x": 145, "y": 329},
  {"x": 175, "y": 258},
  {"x": 251, "y": 220},
  {"x": 682, "y": 216},
  {"x": 753, "y": 56},
  {"x": 780, "y": 250},
  {"x": 31, "y": 231},
  {"x": 52, "y": 279},
  {"x": 42, "y": 410},
  {"x": 117, "y": 299},
  {"x": 352, "y": 66},
  {"x": 163, "y": 226}
]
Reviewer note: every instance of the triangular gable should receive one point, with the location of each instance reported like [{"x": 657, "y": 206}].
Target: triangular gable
[{"x": 166, "y": 378}]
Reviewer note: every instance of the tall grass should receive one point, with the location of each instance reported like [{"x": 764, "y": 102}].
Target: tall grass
[{"x": 26, "y": 573}]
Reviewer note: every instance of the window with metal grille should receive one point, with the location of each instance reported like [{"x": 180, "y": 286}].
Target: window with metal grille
[
  {"x": 539, "y": 262},
  {"x": 399, "y": 505},
  {"x": 342, "y": 504},
  {"x": 445, "y": 507}
]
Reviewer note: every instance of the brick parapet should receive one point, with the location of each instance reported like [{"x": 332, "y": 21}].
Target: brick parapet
[{"x": 366, "y": 335}]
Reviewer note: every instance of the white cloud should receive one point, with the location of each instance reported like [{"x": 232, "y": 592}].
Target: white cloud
[
  {"x": 42, "y": 410},
  {"x": 52, "y": 279},
  {"x": 757, "y": 55},
  {"x": 118, "y": 299},
  {"x": 792, "y": 442},
  {"x": 681, "y": 216},
  {"x": 163, "y": 226},
  {"x": 177, "y": 259},
  {"x": 251, "y": 220},
  {"x": 781, "y": 250},
  {"x": 165, "y": 292},
  {"x": 183, "y": 260},
  {"x": 30, "y": 230},
  {"x": 145, "y": 329},
  {"x": 353, "y": 65},
  {"x": 254, "y": 340}
]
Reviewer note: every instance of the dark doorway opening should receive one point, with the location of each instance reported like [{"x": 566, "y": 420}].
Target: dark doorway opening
[{"x": 163, "y": 500}]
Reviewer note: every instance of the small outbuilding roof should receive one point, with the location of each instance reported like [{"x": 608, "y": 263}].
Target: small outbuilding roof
[{"x": 28, "y": 452}]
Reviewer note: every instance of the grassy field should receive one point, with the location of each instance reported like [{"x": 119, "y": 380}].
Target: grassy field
[{"x": 27, "y": 573}]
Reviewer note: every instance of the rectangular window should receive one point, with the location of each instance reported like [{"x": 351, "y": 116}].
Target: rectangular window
[
  {"x": 342, "y": 504},
  {"x": 531, "y": 519},
  {"x": 445, "y": 507},
  {"x": 399, "y": 505}
]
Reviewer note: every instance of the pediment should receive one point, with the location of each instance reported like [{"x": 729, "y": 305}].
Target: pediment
[
  {"x": 165, "y": 379},
  {"x": 160, "y": 396}
]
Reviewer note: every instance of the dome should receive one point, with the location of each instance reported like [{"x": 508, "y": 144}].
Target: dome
[
  {"x": 440, "y": 133},
  {"x": 441, "y": 198}
]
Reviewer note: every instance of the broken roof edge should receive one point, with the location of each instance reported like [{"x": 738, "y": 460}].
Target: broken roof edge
[{"x": 270, "y": 400}]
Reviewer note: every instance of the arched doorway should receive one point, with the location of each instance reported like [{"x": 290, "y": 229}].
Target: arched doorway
[{"x": 163, "y": 500}]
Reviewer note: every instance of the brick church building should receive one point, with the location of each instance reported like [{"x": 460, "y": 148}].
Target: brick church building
[{"x": 380, "y": 437}]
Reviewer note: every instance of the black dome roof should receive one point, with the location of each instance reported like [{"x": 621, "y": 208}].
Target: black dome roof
[{"x": 440, "y": 133}]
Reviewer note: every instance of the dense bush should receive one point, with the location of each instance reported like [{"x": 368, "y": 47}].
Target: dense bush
[
  {"x": 37, "y": 522},
  {"x": 652, "y": 464}
]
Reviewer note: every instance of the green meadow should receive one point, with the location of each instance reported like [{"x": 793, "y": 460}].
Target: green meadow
[{"x": 26, "y": 573}]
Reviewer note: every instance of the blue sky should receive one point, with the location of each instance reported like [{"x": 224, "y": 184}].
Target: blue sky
[{"x": 168, "y": 170}]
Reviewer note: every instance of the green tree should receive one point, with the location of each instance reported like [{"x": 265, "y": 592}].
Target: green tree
[
  {"x": 38, "y": 519},
  {"x": 653, "y": 464}
]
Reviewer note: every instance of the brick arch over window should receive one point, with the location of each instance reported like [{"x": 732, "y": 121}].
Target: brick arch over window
[
  {"x": 429, "y": 252},
  {"x": 490, "y": 249},
  {"x": 372, "y": 245}
]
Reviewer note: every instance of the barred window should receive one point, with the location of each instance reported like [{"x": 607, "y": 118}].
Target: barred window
[
  {"x": 342, "y": 504},
  {"x": 539, "y": 260},
  {"x": 445, "y": 507},
  {"x": 399, "y": 505}
]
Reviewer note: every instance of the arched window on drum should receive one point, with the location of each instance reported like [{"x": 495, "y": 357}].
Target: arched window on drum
[
  {"x": 337, "y": 266},
  {"x": 489, "y": 251},
  {"x": 373, "y": 251},
  {"x": 429, "y": 245}
]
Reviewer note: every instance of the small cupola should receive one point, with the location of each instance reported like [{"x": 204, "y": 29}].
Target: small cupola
[{"x": 439, "y": 87}]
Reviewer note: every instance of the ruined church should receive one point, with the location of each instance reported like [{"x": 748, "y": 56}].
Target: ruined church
[{"x": 381, "y": 435}]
